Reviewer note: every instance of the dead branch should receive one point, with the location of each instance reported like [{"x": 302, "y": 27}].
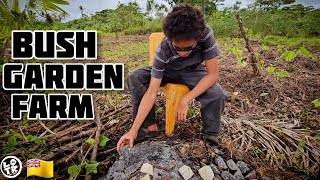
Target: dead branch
[
  {"x": 83, "y": 159},
  {"x": 67, "y": 158},
  {"x": 97, "y": 139},
  {"x": 47, "y": 129},
  {"x": 68, "y": 147},
  {"x": 253, "y": 60},
  {"x": 116, "y": 111}
]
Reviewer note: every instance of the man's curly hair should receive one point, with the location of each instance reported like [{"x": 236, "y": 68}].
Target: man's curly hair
[{"x": 184, "y": 22}]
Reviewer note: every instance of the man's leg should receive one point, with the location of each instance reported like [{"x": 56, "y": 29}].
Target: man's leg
[
  {"x": 138, "y": 83},
  {"x": 212, "y": 101},
  {"x": 212, "y": 105}
]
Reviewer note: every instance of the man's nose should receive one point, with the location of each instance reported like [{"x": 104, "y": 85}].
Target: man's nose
[{"x": 183, "y": 53}]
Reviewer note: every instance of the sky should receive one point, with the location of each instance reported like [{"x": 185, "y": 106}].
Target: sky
[{"x": 92, "y": 6}]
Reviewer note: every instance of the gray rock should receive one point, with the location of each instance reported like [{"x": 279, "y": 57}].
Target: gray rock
[
  {"x": 232, "y": 165},
  {"x": 158, "y": 153},
  {"x": 238, "y": 175},
  {"x": 243, "y": 167},
  {"x": 214, "y": 168},
  {"x": 227, "y": 176},
  {"x": 217, "y": 151},
  {"x": 220, "y": 162}
]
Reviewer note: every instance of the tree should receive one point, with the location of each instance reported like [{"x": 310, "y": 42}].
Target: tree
[
  {"x": 150, "y": 7},
  {"x": 160, "y": 10},
  {"x": 271, "y": 4},
  {"x": 81, "y": 10},
  {"x": 12, "y": 18},
  {"x": 210, "y": 5},
  {"x": 42, "y": 7},
  {"x": 236, "y": 6}
]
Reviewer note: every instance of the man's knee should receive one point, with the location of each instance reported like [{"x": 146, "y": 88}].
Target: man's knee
[
  {"x": 133, "y": 76},
  {"x": 218, "y": 92},
  {"x": 139, "y": 78},
  {"x": 214, "y": 93}
]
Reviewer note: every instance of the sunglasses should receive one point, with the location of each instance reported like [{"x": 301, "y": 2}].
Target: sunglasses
[{"x": 190, "y": 48}]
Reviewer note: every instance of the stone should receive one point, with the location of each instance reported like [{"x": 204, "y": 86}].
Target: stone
[
  {"x": 165, "y": 178},
  {"x": 243, "y": 167},
  {"x": 251, "y": 175},
  {"x": 172, "y": 163},
  {"x": 232, "y": 165},
  {"x": 214, "y": 168},
  {"x": 206, "y": 173},
  {"x": 159, "y": 152},
  {"x": 250, "y": 133},
  {"x": 205, "y": 161},
  {"x": 146, "y": 177},
  {"x": 238, "y": 175},
  {"x": 220, "y": 162},
  {"x": 186, "y": 172},
  {"x": 227, "y": 176},
  {"x": 217, "y": 177},
  {"x": 147, "y": 168},
  {"x": 217, "y": 151},
  {"x": 184, "y": 149}
]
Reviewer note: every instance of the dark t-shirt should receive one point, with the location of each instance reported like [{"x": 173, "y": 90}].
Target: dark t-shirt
[{"x": 166, "y": 56}]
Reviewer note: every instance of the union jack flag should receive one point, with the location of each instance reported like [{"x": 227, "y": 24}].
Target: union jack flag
[{"x": 33, "y": 163}]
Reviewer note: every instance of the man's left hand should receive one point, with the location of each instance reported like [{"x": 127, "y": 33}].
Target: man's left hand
[{"x": 182, "y": 110}]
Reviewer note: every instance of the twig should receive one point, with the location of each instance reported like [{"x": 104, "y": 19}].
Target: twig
[
  {"x": 133, "y": 174},
  {"x": 68, "y": 147},
  {"x": 24, "y": 136},
  {"x": 97, "y": 138},
  {"x": 83, "y": 159},
  {"x": 47, "y": 129},
  {"x": 67, "y": 158},
  {"x": 113, "y": 129},
  {"x": 107, "y": 151},
  {"x": 69, "y": 130},
  {"x": 65, "y": 124},
  {"x": 160, "y": 167},
  {"x": 116, "y": 111},
  {"x": 71, "y": 137}
]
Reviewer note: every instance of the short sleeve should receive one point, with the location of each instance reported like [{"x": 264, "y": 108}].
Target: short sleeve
[
  {"x": 210, "y": 48},
  {"x": 159, "y": 62}
]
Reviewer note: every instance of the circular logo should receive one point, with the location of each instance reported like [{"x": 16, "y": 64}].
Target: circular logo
[{"x": 11, "y": 167}]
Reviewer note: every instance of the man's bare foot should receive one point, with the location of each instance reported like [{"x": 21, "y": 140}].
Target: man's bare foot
[{"x": 153, "y": 127}]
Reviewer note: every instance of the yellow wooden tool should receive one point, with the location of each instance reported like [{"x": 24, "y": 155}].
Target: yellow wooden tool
[{"x": 173, "y": 92}]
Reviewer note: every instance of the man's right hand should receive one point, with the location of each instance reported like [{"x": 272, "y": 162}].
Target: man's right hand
[{"x": 127, "y": 138}]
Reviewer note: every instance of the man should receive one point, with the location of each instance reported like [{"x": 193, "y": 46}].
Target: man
[{"x": 178, "y": 59}]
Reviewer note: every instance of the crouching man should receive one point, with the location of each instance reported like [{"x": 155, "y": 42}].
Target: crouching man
[{"x": 179, "y": 59}]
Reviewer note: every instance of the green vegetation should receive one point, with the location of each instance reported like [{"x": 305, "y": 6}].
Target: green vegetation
[
  {"x": 126, "y": 50},
  {"x": 296, "y": 42},
  {"x": 316, "y": 103},
  {"x": 293, "y": 21}
]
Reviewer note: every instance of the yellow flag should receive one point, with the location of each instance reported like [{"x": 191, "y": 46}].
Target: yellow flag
[{"x": 37, "y": 167}]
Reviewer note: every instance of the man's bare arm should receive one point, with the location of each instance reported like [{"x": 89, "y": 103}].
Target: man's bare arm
[
  {"x": 146, "y": 103},
  {"x": 206, "y": 82}
]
